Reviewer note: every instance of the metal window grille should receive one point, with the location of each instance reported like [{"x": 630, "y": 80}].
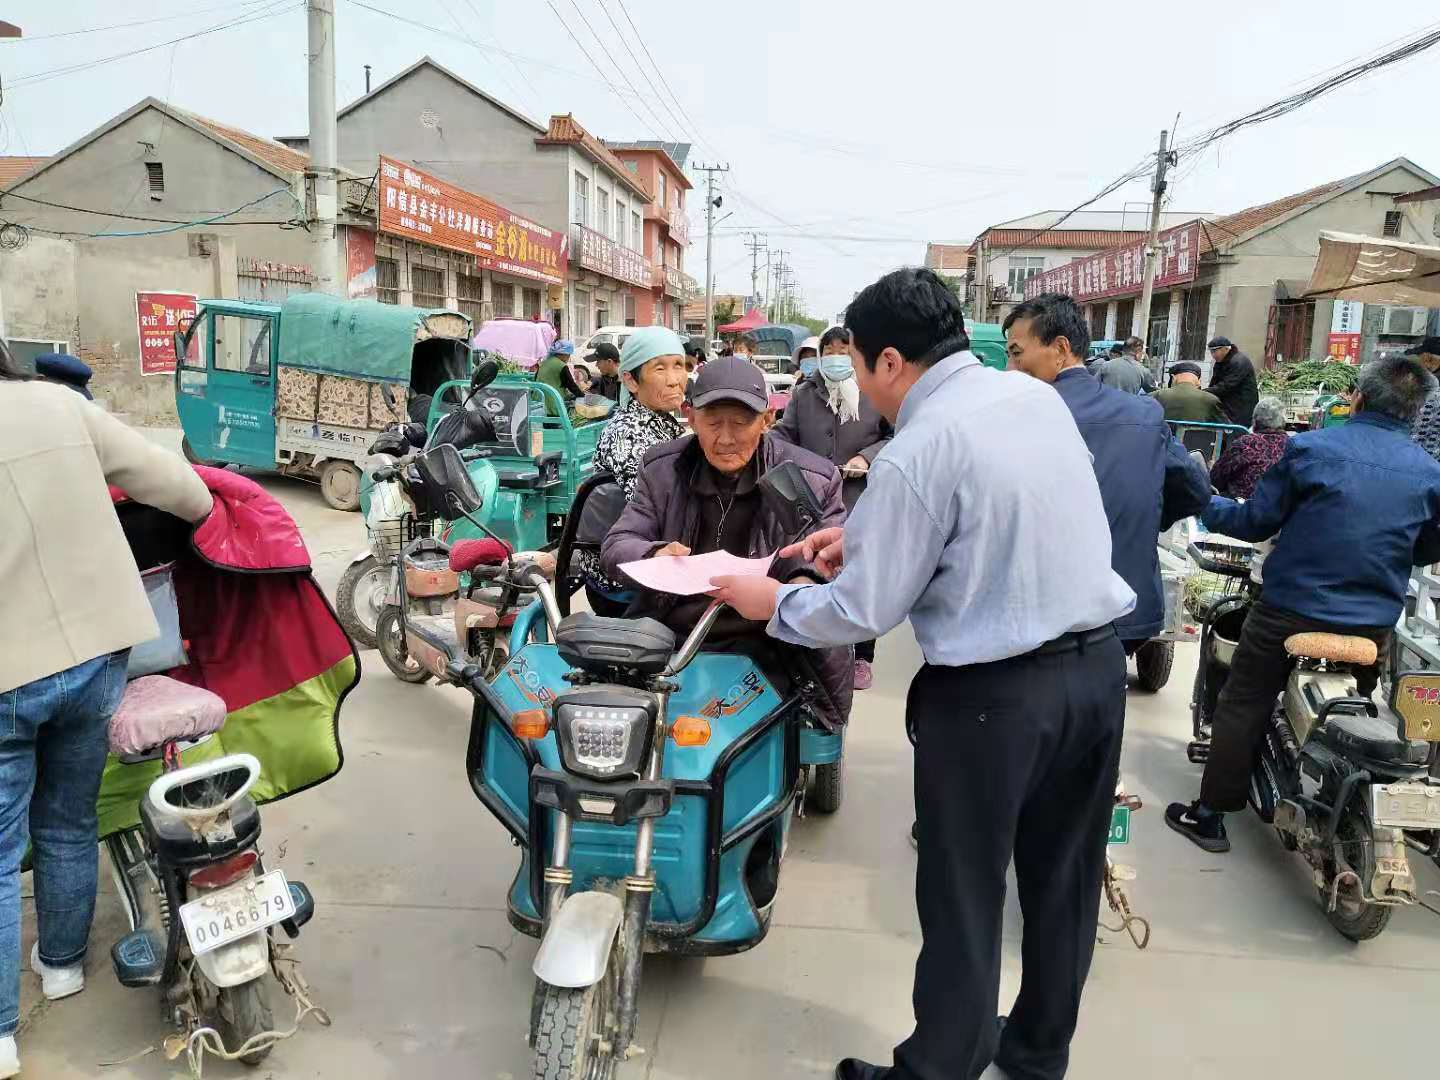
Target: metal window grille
[
  {"x": 470, "y": 297},
  {"x": 387, "y": 280},
  {"x": 427, "y": 286},
  {"x": 155, "y": 176},
  {"x": 532, "y": 303},
  {"x": 504, "y": 299},
  {"x": 1392, "y": 223}
]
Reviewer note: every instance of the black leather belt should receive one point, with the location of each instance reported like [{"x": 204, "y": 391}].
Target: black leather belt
[{"x": 1076, "y": 642}]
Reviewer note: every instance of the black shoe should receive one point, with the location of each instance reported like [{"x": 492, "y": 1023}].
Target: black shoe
[
  {"x": 855, "y": 1069},
  {"x": 1203, "y": 828},
  {"x": 915, "y": 835}
]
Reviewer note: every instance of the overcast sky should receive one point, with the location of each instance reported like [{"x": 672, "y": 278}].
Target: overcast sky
[{"x": 853, "y": 140}]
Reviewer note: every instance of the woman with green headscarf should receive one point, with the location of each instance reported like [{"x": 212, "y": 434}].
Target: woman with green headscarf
[{"x": 653, "y": 377}]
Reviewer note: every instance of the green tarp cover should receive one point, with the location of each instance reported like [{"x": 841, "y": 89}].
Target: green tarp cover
[{"x": 361, "y": 339}]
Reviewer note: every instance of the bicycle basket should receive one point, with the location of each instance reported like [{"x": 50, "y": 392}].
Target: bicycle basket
[{"x": 391, "y": 536}]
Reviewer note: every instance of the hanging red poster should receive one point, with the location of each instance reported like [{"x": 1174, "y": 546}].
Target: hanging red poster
[{"x": 157, "y": 316}]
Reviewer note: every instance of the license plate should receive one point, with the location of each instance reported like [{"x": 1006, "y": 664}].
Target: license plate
[
  {"x": 235, "y": 911},
  {"x": 1119, "y": 825},
  {"x": 1405, "y": 806}
]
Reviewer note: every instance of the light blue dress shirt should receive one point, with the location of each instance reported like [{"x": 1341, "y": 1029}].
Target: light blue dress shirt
[{"x": 981, "y": 521}]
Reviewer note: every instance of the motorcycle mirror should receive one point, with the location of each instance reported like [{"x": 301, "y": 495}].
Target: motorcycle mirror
[
  {"x": 792, "y": 499},
  {"x": 487, "y": 368},
  {"x": 414, "y": 434}
]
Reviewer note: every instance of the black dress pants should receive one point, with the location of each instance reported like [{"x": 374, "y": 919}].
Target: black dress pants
[{"x": 1016, "y": 758}]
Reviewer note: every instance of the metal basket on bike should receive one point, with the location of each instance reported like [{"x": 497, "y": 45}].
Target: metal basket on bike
[
  {"x": 1223, "y": 568},
  {"x": 390, "y": 536}
]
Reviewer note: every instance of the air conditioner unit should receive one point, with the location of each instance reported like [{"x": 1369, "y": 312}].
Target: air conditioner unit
[{"x": 1405, "y": 322}]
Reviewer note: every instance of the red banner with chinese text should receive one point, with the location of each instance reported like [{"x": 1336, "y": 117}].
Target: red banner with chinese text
[
  {"x": 157, "y": 316},
  {"x": 1120, "y": 271},
  {"x": 417, "y": 206}
]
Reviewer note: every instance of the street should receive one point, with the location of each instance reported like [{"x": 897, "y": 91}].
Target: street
[{"x": 411, "y": 953}]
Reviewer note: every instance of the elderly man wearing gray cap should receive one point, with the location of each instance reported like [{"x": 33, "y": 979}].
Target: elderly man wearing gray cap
[{"x": 702, "y": 494}]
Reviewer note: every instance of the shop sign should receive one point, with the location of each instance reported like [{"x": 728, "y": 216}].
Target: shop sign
[
  {"x": 1121, "y": 271},
  {"x": 599, "y": 253},
  {"x": 417, "y": 206},
  {"x": 1345, "y": 331},
  {"x": 157, "y": 316}
]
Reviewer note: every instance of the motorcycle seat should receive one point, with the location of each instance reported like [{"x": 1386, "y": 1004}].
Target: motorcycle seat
[
  {"x": 1376, "y": 738},
  {"x": 469, "y": 554},
  {"x": 1340, "y": 648},
  {"x": 157, "y": 709},
  {"x": 593, "y": 643}
]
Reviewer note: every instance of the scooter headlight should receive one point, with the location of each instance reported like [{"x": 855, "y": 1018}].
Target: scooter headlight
[{"x": 605, "y": 733}]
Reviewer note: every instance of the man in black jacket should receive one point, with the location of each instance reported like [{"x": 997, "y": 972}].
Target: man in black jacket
[{"x": 1233, "y": 381}]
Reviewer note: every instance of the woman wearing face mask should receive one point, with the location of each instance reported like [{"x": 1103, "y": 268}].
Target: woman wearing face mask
[
  {"x": 653, "y": 379},
  {"x": 828, "y": 416},
  {"x": 807, "y": 358}
]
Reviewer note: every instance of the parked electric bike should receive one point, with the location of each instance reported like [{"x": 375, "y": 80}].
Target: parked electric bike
[
  {"x": 650, "y": 787},
  {"x": 236, "y": 703},
  {"x": 1345, "y": 782}
]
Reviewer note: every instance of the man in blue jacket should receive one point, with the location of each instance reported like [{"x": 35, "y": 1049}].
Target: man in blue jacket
[
  {"x": 1355, "y": 508},
  {"x": 1147, "y": 479}
]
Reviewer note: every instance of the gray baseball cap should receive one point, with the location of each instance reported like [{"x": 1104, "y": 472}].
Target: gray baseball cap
[{"x": 731, "y": 378}]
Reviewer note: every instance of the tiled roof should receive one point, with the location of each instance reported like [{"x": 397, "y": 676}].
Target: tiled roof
[
  {"x": 947, "y": 256},
  {"x": 1222, "y": 230},
  {"x": 566, "y": 131},
  {"x": 272, "y": 153},
  {"x": 1078, "y": 239},
  {"x": 13, "y": 168}
]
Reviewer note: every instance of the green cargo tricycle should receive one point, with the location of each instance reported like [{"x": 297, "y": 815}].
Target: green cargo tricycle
[{"x": 305, "y": 386}]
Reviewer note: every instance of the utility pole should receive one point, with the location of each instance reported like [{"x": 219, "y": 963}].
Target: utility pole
[
  {"x": 982, "y": 284},
  {"x": 782, "y": 271},
  {"x": 323, "y": 139},
  {"x": 1140, "y": 324},
  {"x": 712, "y": 203},
  {"x": 757, "y": 245}
]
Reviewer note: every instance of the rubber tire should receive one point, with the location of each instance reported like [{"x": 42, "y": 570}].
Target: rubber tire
[
  {"x": 829, "y": 790},
  {"x": 1372, "y": 918},
  {"x": 387, "y": 630},
  {"x": 243, "y": 1012},
  {"x": 1153, "y": 662},
  {"x": 188, "y": 452},
  {"x": 340, "y": 485},
  {"x": 562, "y": 1031},
  {"x": 350, "y": 617}
]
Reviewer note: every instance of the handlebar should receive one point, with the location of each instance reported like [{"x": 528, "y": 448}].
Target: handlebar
[
  {"x": 1215, "y": 566},
  {"x": 681, "y": 660}
]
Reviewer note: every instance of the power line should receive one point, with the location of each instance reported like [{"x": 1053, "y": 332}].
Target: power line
[
  {"x": 643, "y": 69},
  {"x": 598, "y": 70},
  {"x": 36, "y": 78},
  {"x": 661, "y": 128},
  {"x": 466, "y": 35},
  {"x": 31, "y": 38},
  {"x": 174, "y": 226},
  {"x": 135, "y": 217},
  {"x": 694, "y": 127},
  {"x": 534, "y": 93}
]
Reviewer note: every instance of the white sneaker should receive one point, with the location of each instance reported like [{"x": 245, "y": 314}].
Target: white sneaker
[
  {"x": 58, "y": 982},
  {"x": 9, "y": 1056}
]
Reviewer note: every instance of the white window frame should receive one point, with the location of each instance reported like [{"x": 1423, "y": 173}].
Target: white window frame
[
  {"x": 582, "y": 199},
  {"x": 1021, "y": 269}
]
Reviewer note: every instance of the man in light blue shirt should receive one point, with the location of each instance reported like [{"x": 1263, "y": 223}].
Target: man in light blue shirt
[{"x": 982, "y": 523}]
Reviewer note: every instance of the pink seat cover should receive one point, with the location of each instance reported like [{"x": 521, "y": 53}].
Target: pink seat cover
[
  {"x": 157, "y": 708},
  {"x": 466, "y": 555}
]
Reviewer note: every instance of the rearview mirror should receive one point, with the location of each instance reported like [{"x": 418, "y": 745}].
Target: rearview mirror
[
  {"x": 487, "y": 369},
  {"x": 784, "y": 487}
]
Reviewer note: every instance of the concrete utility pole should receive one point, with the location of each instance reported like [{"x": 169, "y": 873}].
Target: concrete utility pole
[
  {"x": 712, "y": 203},
  {"x": 982, "y": 285},
  {"x": 758, "y": 242},
  {"x": 323, "y": 140},
  {"x": 1140, "y": 324}
]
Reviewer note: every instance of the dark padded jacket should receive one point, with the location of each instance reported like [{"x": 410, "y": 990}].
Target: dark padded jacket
[
  {"x": 662, "y": 509},
  {"x": 1147, "y": 482}
]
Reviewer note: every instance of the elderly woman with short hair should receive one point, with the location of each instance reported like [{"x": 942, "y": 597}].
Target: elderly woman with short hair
[{"x": 1246, "y": 459}]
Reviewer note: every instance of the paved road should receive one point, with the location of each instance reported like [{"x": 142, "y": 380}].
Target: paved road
[{"x": 411, "y": 953}]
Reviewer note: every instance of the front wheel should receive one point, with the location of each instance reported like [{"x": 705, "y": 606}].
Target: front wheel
[
  {"x": 390, "y": 640},
  {"x": 360, "y": 598},
  {"x": 1153, "y": 662},
  {"x": 244, "y": 1012},
  {"x": 188, "y": 452},
  {"x": 575, "y": 1030}
]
